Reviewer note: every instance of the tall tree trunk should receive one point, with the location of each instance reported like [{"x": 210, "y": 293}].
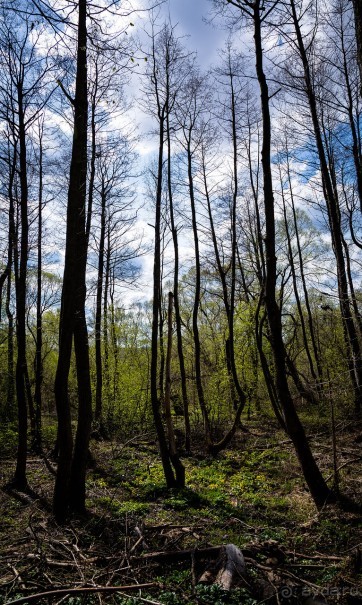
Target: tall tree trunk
[
  {"x": 303, "y": 326},
  {"x": 155, "y": 402},
  {"x": 107, "y": 270},
  {"x": 98, "y": 318},
  {"x": 114, "y": 339},
  {"x": 352, "y": 111},
  {"x": 317, "y": 485},
  {"x": 69, "y": 492},
  {"x": 20, "y": 480},
  {"x": 234, "y": 246},
  {"x": 235, "y": 387},
  {"x": 334, "y": 222},
  {"x": 357, "y": 8},
  {"x": 37, "y": 443},
  {"x": 93, "y": 156},
  {"x": 197, "y": 296},
  {"x": 175, "y": 459},
  {"x": 10, "y": 395},
  {"x": 180, "y": 352}
]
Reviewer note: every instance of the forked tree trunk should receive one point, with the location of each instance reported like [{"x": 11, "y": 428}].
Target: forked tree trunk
[
  {"x": 163, "y": 101},
  {"x": 69, "y": 492}
]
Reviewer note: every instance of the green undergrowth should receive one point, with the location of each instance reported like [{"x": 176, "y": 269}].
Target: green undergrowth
[
  {"x": 252, "y": 490},
  {"x": 229, "y": 482},
  {"x": 239, "y": 483},
  {"x": 251, "y": 495},
  {"x": 201, "y": 595}
]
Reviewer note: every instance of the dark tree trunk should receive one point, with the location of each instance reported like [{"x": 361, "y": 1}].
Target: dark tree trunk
[
  {"x": 354, "y": 300},
  {"x": 114, "y": 339},
  {"x": 357, "y": 8},
  {"x": 234, "y": 245},
  {"x": 69, "y": 490},
  {"x": 180, "y": 352},
  {"x": 237, "y": 394},
  {"x": 313, "y": 372},
  {"x": 10, "y": 395},
  {"x": 317, "y": 485},
  {"x": 352, "y": 111},
  {"x": 37, "y": 440},
  {"x": 20, "y": 480},
  {"x": 197, "y": 296},
  {"x": 161, "y": 321},
  {"x": 93, "y": 156},
  {"x": 107, "y": 386},
  {"x": 175, "y": 459},
  {"x": 155, "y": 402}
]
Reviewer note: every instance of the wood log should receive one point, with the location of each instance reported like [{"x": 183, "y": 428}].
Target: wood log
[{"x": 228, "y": 570}]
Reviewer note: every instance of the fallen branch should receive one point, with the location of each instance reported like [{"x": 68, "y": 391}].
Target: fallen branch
[
  {"x": 77, "y": 591},
  {"x": 317, "y": 556},
  {"x": 179, "y": 555},
  {"x": 347, "y": 463}
]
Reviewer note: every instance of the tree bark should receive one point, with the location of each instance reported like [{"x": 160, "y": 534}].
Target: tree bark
[
  {"x": 155, "y": 402},
  {"x": 69, "y": 492},
  {"x": 37, "y": 439},
  {"x": 180, "y": 352},
  {"x": 20, "y": 480},
  {"x": 176, "y": 462},
  {"x": 357, "y": 8},
  {"x": 317, "y": 485},
  {"x": 197, "y": 295}
]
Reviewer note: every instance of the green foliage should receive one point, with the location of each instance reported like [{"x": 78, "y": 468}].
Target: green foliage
[
  {"x": 120, "y": 509},
  {"x": 8, "y": 440},
  {"x": 215, "y": 595}
]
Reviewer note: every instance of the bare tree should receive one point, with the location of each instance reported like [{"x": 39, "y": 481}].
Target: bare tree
[
  {"x": 164, "y": 62},
  {"x": 257, "y": 13}
]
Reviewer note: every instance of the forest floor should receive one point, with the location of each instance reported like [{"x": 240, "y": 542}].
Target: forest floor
[{"x": 251, "y": 495}]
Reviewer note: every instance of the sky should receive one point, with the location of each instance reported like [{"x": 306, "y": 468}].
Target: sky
[{"x": 190, "y": 15}]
